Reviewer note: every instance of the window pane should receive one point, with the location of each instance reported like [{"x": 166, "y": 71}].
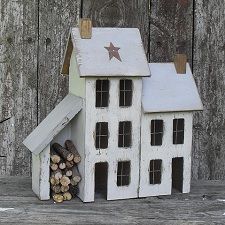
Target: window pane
[
  {"x": 123, "y": 173},
  {"x": 128, "y": 98},
  {"x": 122, "y": 98},
  {"x": 158, "y": 125},
  {"x": 125, "y": 92},
  {"x": 124, "y": 136},
  {"x": 101, "y": 139},
  {"x": 156, "y": 132},
  {"x": 128, "y": 84},
  {"x": 127, "y": 141},
  {"x": 155, "y": 171},
  {"x": 158, "y": 139},
  {"x": 180, "y": 124},
  {"x": 102, "y": 93},
  {"x": 178, "y": 131}
]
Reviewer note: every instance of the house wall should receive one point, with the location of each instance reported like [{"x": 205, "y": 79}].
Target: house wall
[
  {"x": 165, "y": 152},
  {"x": 112, "y": 114},
  {"x": 76, "y": 84}
]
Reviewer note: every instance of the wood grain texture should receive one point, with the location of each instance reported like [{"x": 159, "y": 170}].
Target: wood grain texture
[
  {"x": 170, "y": 29},
  {"x": 55, "y": 20},
  {"x": 18, "y": 60},
  {"x": 119, "y": 13},
  {"x": 209, "y": 67},
  {"x": 203, "y": 206}
]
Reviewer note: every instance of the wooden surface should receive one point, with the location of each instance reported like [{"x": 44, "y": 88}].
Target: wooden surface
[
  {"x": 205, "y": 205},
  {"x": 33, "y": 38}
]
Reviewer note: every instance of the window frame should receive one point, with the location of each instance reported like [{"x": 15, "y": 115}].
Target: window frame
[
  {"x": 155, "y": 133},
  {"x": 154, "y": 171},
  {"x": 101, "y": 92},
  {"x": 125, "y": 135},
  {"x": 99, "y": 135},
  {"x": 123, "y": 92},
  {"x": 177, "y": 132},
  {"x": 120, "y": 176}
]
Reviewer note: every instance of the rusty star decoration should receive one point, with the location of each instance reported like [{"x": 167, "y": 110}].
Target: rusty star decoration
[{"x": 113, "y": 52}]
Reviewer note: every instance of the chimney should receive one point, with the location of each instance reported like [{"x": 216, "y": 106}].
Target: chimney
[
  {"x": 85, "y": 28},
  {"x": 180, "y": 62}
]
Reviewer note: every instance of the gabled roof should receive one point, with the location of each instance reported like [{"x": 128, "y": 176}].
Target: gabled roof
[
  {"x": 167, "y": 91},
  {"x": 93, "y": 56},
  {"x": 58, "y": 118}
]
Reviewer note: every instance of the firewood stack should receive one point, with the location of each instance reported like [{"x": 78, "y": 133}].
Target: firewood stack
[{"x": 64, "y": 176}]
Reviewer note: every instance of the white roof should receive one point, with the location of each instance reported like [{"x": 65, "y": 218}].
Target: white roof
[
  {"x": 58, "y": 118},
  {"x": 167, "y": 91},
  {"x": 93, "y": 58}
]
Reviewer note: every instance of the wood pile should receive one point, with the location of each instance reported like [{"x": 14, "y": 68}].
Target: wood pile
[{"x": 64, "y": 175}]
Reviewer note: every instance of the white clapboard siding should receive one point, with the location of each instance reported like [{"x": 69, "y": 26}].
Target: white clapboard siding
[{"x": 53, "y": 123}]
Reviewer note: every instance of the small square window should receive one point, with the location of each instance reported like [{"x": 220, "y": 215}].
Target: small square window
[
  {"x": 123, "y": 173},
  {"x": 178, "y": 131},
  {"x": 156, "y": 132},
  {"x": 125, "y": 92},
  {"x": 124, "y": 139},
  {"x": 102, "y": 93},
  {"x": 101, "y": 140},
  {"x": 155, "y": 171}
]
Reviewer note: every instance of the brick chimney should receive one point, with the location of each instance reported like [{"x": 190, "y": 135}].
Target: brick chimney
[
  {"x": 180, "y": 61},
  {"x": 85, "y": 28}
]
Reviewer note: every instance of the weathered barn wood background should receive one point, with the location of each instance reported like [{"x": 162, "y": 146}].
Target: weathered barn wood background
[{"x": 32, "y": 42}]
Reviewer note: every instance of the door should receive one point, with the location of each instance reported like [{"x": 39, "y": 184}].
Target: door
[
  {"x": 177, "y": 174},
  {"x": 101, "y": 177}
]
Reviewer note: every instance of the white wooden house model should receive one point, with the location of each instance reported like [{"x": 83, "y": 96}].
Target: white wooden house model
[{"x": 130, "y": 121}]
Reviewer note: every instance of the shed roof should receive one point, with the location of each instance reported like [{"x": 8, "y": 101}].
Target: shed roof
[
  {"x": 57, "y": 119},
  {"x": 167, "y": 91},
  {"x": 93, "y": 55}
]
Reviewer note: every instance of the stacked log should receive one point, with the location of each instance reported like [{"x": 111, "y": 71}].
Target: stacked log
[{"x": 64, "y": 176}]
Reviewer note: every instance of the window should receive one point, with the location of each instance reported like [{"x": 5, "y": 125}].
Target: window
[
  {"x": 124, "y": 134},
  {"x": 155, "y": 171},
  {"x": 102, "y": 93},
  {"x": 178, "y": 131},
  {"x": 101, "y": 140},
  {"x": 125, "y": 92},
  {"x": 123, "y": 173},
  {"x": 156, "y": 132}
]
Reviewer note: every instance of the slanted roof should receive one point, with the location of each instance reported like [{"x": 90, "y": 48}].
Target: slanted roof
[
  {"x": 59, "y": 117},
  {"x": 167, "y": 91},
  {"x": 93, "y": 57}
]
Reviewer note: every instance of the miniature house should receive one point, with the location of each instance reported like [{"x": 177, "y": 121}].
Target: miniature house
[{"x": 130, "y": 121}]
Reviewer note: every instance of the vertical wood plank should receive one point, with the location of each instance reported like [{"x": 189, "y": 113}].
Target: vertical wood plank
[
  {"x": 171, "y": 29},
  {"x": 209, "y": 67},
  {"x": 55, "y": 20},
  {"x": 119, "y": 13},
  {"x": 18, "y": 59}
]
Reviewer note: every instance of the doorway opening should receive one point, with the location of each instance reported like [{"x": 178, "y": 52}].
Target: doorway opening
[
  {"x": 177, "y": 174},
  {"x": 101, "y": 177}
]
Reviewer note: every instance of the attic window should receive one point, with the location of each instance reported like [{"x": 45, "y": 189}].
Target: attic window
[
  {"x": 178, "y": 131},
  {"x": 125, "y": 92},
  {"x": 102, "y": 93},
  {"x": 124, "y": 134},
  {"x": 123, "y": 173},
  {"x": 155, "y": 171},
  {"x": 156, "y": 132},
  {"x": 101, "y": 140}
]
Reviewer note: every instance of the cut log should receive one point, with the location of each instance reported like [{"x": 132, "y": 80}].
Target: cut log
[
  {"x": 56, "y": 188},
  {"x": 57, "y": 197},
  {"x": 54, "y": 181},
  {"x": 69, "y": 164},
  {"x": 64, "y": 153},
  {"x": 53, "y": 166},
  {"x": 62, "y": 165},
  {"x": 74, "y": 190},
  {"x": 65, "y": 188},
  {"x": 73, "y": 183},
  {"x": 76, "y": 175},
  {"x": 57, "y": 174},
  {"x": 68, "y": 172},
  {"x": 71, "y": 147},
  {"x": 67, "y": 196},
  {"x": 54, "y": 156},
  {"x": 65, "y": 181}
]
